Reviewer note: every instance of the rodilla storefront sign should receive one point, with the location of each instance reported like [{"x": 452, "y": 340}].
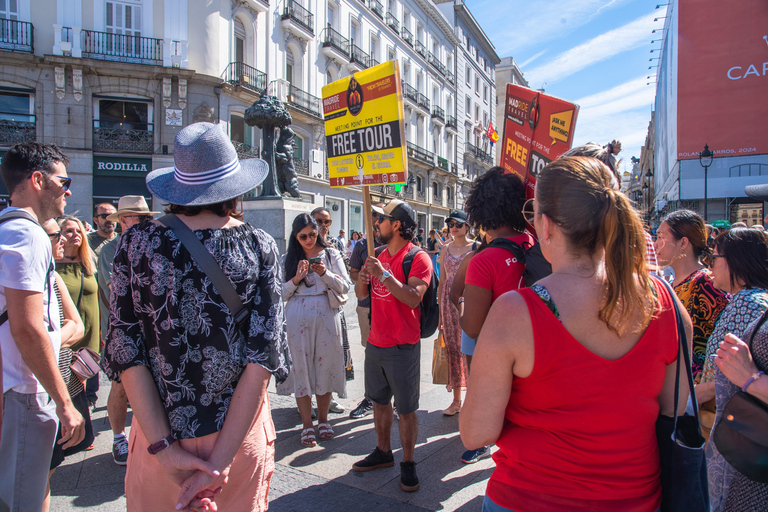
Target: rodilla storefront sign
[
  {"x": 112, "y": 164},
  {"x": 116, "y": 176}
]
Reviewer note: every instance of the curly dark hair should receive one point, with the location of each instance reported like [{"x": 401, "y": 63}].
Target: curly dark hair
[
  {"x": 295, "y": 252},
  {"x": 495, "y": 200},
  {"x": 408, "y": 232},
  {"x": 228, "y": 208}
]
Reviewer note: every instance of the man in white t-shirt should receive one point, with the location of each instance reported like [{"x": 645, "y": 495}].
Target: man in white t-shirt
[{"x": 34, "y": 394}]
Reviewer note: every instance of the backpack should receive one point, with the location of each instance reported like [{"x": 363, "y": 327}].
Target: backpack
[
  {"x": 536, "y": 265},
  {"x": 429, "y": 307}
]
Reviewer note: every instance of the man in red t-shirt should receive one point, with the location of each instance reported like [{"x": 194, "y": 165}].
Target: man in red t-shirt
[{"x": 393, "y": 351}]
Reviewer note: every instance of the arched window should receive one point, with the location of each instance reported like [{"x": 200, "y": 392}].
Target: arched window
[
  {"x": 435, "y": 191},
  {"x": 240, "y": 39}
]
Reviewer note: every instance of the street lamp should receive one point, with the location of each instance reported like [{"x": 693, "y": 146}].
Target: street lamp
[{"x": 705, "y": 159}]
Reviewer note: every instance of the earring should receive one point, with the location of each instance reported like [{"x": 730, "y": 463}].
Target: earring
[{"x": 549, "y": 241}]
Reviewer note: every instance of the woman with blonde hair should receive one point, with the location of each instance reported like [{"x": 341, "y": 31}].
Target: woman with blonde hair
[
  {"x": 574, "y": 432},
  {"x": 77, "y": 268}
]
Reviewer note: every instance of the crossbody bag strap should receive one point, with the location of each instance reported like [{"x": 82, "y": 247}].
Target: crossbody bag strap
[
  {"x": 82, "y": 282},
  {"x": 16, "y": 214},
  {"x": 210, "y": 267}
]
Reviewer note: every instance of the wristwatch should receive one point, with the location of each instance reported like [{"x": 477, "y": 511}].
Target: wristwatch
[
  {"x": 384, "y": 276},
  {"x": 161, "y": 445}
]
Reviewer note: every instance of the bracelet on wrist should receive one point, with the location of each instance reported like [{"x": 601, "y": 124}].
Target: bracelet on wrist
[{"x": 752, "y": 379}]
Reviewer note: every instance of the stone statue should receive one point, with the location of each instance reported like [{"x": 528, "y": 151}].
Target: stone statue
[
  {"x": 287, "y": 180},
  {"x": 269, "y": 114}
]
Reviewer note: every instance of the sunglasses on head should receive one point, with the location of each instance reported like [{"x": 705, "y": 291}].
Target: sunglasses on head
[
  {"x": 303, "y": 237},
  {"x": 453, "y": 224}
]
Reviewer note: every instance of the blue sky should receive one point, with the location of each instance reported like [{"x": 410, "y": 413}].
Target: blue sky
[{"x": 592, "y": 52}]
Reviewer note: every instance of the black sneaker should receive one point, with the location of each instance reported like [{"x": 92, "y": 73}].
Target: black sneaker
[
  {"x": 377, "y": 459},
  {"x": 120, "y": 451},
  {"x": 364, "y": 409},
  {"x": 350, "y": 373},
  {"x": 409, "y": 482}
]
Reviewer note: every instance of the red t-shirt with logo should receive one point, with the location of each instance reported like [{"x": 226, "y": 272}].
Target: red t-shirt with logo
[
  {"x": 393, "y": 322},
  {"x": 497, "y": 269}
]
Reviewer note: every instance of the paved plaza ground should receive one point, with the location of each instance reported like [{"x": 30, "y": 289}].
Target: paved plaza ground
[{"x": 320, "y": 478}]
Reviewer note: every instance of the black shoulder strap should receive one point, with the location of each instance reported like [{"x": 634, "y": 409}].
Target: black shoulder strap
[
  {"x": 408, "y": 261},
  {"x": 211, "y": 268},
  {"x": 514, "y": 248},
  {"x": 15, "y": 214},
  {"x": 378, "y": 250}
]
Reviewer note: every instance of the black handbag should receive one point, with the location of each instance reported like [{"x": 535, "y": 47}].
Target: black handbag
[
  {"x": 741, "y": 435},
  {"x": 684, "y": 485}
]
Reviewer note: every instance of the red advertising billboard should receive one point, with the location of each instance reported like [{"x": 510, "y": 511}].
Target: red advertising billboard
[
  {"x": 722, "y": 80},
  {"x": 538, "y": 128}
]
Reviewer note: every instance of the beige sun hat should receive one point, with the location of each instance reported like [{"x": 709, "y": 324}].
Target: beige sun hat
[{"x": 131, "y": 204}]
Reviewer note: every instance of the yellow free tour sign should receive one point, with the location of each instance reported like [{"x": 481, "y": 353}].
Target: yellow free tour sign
[{"x": 364, "y": 128}]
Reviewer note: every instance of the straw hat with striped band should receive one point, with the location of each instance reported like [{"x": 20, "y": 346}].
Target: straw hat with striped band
[{"x": 206, "y": 169}]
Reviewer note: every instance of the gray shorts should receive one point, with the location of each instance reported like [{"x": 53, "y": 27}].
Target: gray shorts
[
  {"x": 394, "y": 371},
  {"x": 29, "y": 430}
]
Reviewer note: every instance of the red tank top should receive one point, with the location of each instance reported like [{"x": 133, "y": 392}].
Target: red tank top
[{"x": 579, "y": 432}]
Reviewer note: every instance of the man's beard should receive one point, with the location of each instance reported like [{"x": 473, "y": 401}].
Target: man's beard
[
  {"x": 382, "y": 238},
  {"x": 109, "y": 228}
]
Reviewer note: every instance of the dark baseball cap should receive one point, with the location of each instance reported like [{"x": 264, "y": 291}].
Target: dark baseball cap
[
  {"x": 397, "y": 210},
  {"x": 458, "y": 216}
]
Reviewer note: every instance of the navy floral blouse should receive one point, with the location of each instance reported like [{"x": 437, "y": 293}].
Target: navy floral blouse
[{"x": 165, "y": 314}]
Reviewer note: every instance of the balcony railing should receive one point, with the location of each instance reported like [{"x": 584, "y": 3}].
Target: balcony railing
[
  {"x": 301, "y": 166},
  {"x": 304, "y": 101},
  {"x": 439, "y": 66},
  {"x": 244, "y": 151},
  {"x": 123, "y": 137},
  {"x": 421, "y": 49},
  {"x": 420, "y": 153},
  {"x": 243, "y": 75},
  {"x": 454, "y": 168},
  {"x": 410, "y": 93},
  {"x": 407, "y": 36},
  {"x": 442, "y": 163},
  {"x": 15, "y": 128},
  {"x": 296, "y": 12},
  {"x": 17, "y": 36},
  {"x": 359, "y": 56},
  {"x": 451, "y": 77},
  {"x": 423, "y": 101},
  {"x": 450, "y": 122},
  {"x": 393, "y": 23},
  {"x": 122, "y": 48},
  {"x": 438, "y": 112},
  {"x": 421, "y": 195},
  {"x": 377, "y": 8},
  {"x": 479, "y": 153},
  {"x": 333, "y": 39}
]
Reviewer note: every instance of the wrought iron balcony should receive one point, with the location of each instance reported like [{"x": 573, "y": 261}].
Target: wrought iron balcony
[
  {"x": 410, "y": 93},
  {"x": 334, "y": 42},
  {"x": 359, "y": 56},
  {"x": 17, "y": 36},
  {"x": 421, "y": 49},
  {"x": 301, "y": 166},
  {"x": 242, "y": 75},
  {"x": 377, "y": 8},
  {"x": 479, "y": 153},
  {"x": 294, "y": 11},
  {"x": 122, "y": 48},
  {"x": 15, "y": 128},
  {"x": 244, "y": 151},
  {"x": 439, "y": 66},
  {"x": 393, "y": 23},
  {"x": 123, "y": 137},
  {"x": 438, "y": 112},
  {"x": 454, "y": 168},
  {"x": 407, "y": 36},
  {"x": 304, "y": 101},
  {"x": 442, "y": 163},
  {"x": 421, "y": 195},
  {"x": 451, "y": 77},
  {"x": 423, "y": 101},
  {"x": 450, "y": 122},
  {"x": 420, "y": 153}
]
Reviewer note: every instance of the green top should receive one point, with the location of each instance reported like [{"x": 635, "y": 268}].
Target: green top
[{"x": 72, "y": 274}]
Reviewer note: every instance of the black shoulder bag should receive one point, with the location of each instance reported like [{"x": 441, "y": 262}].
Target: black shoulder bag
[
  {"x": 684, "y": 486},
  {"x": 741, "y": 435},
  {"x": 211, "y": 268}
]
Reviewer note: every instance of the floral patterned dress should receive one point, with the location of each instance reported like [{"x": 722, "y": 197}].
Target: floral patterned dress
[
  {"x": 165, "y": 314},
  {"x": 457, "y": 362},
  {"x": 745, "y": 307}
]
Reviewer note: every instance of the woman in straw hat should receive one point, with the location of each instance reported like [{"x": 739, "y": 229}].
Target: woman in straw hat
[{"x": 197, "y": 384}]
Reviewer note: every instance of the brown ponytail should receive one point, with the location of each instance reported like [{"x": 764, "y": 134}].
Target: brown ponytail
[{"x": 577, "y": 194}]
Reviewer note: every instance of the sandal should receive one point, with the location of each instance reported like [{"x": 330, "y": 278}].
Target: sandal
[
  {"x": 308, "y": 437},
  {"x": 325, "y": 431}
]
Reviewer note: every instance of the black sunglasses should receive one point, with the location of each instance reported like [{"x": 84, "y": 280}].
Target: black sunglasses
[
  {"x": 55, "y": 236},
  {"x": 382, "y": 218},
  {"x": 102, "y": 216},
  {"x": 452, "y": 224},
  {"x": 65, "y": 181}
]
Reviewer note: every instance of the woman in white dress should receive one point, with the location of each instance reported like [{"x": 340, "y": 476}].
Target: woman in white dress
[{"x": 312, "y": 270}]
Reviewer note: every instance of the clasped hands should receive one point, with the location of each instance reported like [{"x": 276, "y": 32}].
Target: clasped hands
[
  {"x": 200, "y": 480},
  {"x": 303, "y": 269}
]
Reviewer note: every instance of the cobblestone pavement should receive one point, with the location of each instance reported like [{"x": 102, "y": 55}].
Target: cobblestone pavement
[{"x": 318, "y": 478}]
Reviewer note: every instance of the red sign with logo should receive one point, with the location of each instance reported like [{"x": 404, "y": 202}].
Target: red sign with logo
[
  {"x": 722, "y": 86},
  {"x": 538, "y": 128}
]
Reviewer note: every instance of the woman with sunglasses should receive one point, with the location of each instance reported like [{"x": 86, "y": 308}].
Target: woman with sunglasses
[
  {"x": 553, "y": 382},
  {"x": 739, "y": 266},
  {"x": 77, "y": 268},
  {"x": 312, "y": 270},
  {"x": 450, "y": 259}
]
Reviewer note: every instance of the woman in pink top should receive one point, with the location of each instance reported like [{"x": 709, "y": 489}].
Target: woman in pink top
[{"x": 556, "y": 382}]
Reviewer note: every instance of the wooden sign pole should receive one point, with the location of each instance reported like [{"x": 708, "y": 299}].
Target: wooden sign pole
[{"x": 369, "y": 233}]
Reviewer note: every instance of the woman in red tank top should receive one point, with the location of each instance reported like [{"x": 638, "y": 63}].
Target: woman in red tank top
[{"x": 574, "y": 371}]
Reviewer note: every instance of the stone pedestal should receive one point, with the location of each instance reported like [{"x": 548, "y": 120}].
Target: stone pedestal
[{"x": 275, "y": 216}]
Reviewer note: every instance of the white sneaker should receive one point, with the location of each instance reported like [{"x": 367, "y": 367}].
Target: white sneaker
[{"x": 336, "y": 407}]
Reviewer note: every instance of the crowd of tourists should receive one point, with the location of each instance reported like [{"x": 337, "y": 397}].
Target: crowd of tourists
[{"x": 565, "y": 323}]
